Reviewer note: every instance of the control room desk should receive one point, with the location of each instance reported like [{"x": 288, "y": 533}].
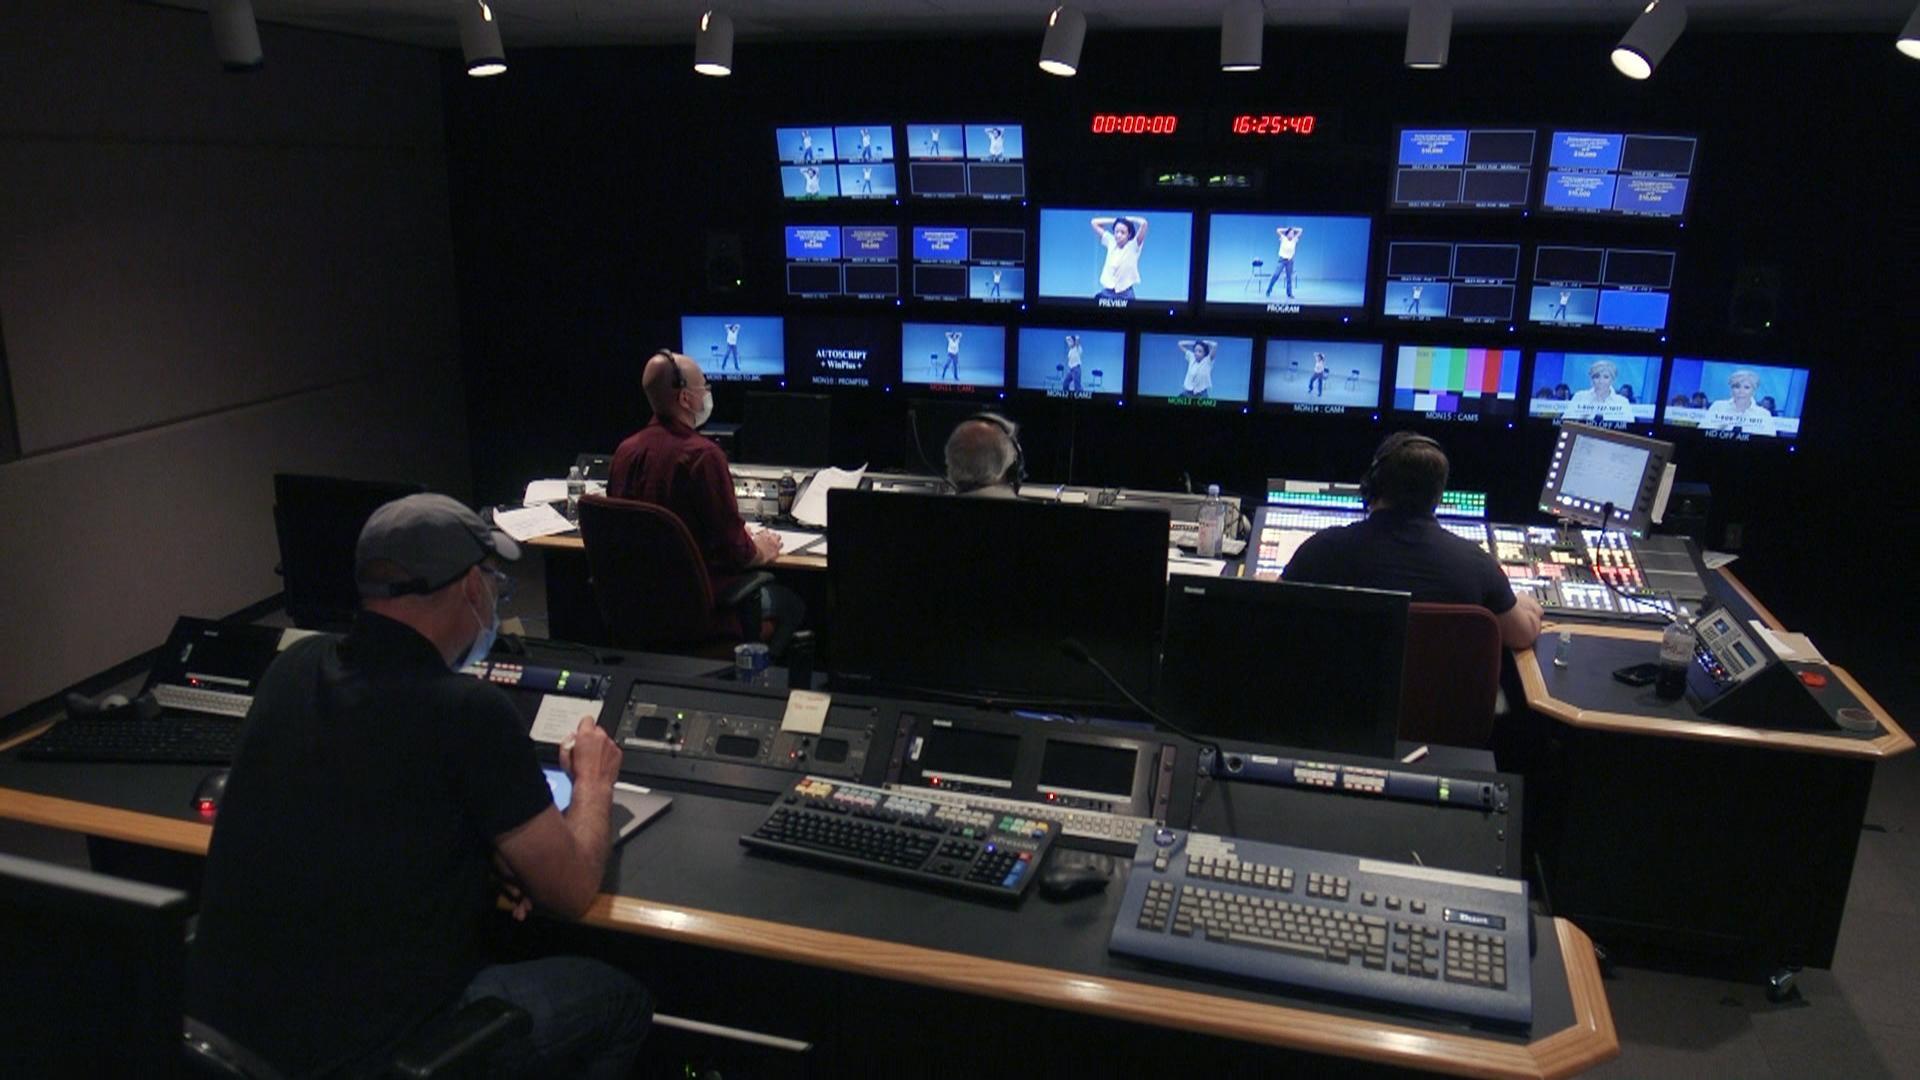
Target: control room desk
[
  {"x": 1669, "y": 830},
  {"x": 685, "y": 880}
]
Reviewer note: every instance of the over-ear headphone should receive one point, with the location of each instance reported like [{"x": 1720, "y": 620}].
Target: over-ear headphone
[
  {"x": 1013, "y": 436},
  {"x": 1393, "y": 444}
]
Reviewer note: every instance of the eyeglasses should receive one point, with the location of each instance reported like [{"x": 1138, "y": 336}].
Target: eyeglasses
[{"x": 502, "y": 584}]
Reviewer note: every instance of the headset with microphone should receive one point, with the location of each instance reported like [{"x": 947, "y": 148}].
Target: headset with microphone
[{"x": 1394, "y": 444}]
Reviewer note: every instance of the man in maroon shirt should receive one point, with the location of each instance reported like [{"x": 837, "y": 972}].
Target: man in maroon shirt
[{"x": 669, "y": 464}]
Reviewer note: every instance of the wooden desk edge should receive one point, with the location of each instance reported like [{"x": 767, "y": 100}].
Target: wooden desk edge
[
  {"x": 1588, "y": 1042},
  {"x": 173, "y": 834}
]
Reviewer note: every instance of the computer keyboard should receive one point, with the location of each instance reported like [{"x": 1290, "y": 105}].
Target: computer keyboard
[
  {"x": 1407, "y": 936},
  {"x": 972, "y": 849},
  {"x": 188, "y": 740},
  {"x": 1111, "y": 829},
  {"x": 196, "y": 699}
]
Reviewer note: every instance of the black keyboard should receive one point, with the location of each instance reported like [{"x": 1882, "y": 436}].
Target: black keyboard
[
  {"x": 191, "y": 740},
  {"x": 981, "y": 851},
  {"x": 1426, "y": 940}
]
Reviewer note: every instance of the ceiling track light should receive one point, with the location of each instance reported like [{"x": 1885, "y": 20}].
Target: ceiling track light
[
  {"x": 1648, "y": 39},
  {"x": 236, "y": 36},
  {"x": 713, "y": 45},
  {"x": 1909, "y": 40},
  {"x": 1243, "y": 31},
  {"x": 1429, "y": 34},
  {"x": 480, "y": 39},
  {"x": 1066, "y": 32}
]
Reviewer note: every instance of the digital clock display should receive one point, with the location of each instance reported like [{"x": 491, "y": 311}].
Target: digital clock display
[
  {"x": 1294, "y": 124},
  {"x": 1135, "y": 123}
]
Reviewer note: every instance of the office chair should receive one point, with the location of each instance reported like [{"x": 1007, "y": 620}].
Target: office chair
[
  {"x": 1254, "y": 277},
  {"x": 1098, "y": 381},
  {"x": 1353, "y": 379},
  {"x": 449, "y": 1046},
  {"x": 317, "y": 520},
  {"x": 650, "y": 582},
  {"x": 1057, "y": 379},
  {"x": 1452, "y": 675}
]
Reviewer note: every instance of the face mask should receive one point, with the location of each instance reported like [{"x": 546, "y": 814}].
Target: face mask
[
  {"x": 483, "y": 644},
  {"x": 702, "y": 414}
]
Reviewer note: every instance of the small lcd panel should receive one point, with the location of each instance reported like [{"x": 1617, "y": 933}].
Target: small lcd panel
[
  {"x": 1599, "y": 476},
  {"x": 969, "y": 755},
  {"x": 1088, "y": 769}
]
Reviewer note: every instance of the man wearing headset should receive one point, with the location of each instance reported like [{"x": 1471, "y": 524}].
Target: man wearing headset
[
  {"x": 984, "y": 458},
  {"x": 1401, "y": 546},
  {"x": 669, "y": 463}
]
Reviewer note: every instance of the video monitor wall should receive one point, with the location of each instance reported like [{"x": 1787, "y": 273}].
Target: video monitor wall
[
  {"x": 1733, "y": 399},
  {"x": 736, "y": 348},
  {"x": 1471, "y": 283},
  {"x": 981, "y": 161},
  {"x": 1322, "y": 376},
  {"x": 1198, "y": 369},
  {"x": 1603, "y": 288},
  {"x": 1312, "y": 265},
  {"x": 953, "y": 356},
  {"x": 1618, "y": 175},
  {"x": 1072, "y": 362},
  {"x": 1607, "y": 389},
  {"x": 827, "y": 352},
  {"x": 1445, "y": 382},
  {"x": 954, "y": 262},
  {"x": 858, "y": 261},
  {"x": 1116, "y": 258},
  {"x": 1463, "y": 169}
]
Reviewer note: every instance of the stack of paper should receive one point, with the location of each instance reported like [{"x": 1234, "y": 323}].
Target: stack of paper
[{"x": 811, "y": 507}]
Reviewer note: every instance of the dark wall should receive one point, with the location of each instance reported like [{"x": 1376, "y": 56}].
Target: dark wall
[{"x": 586, "y": 182}]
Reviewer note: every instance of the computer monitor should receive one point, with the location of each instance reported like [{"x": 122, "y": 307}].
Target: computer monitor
[
  {"x": 1321, "y": 376},
  {"x": 1618, "y": 175},
  {"x": 95, "y": 967},
  {"x": 1116, "y": 258},
  {"x": 1594, "y": 467},
  {"x": 1601, "y": 288},
  {"x": 1463, "y": 169},
  {"x": 1430, "y": 280},
  {"x": 1072, "y": 362},
  {"x": 1454, "y": 383},
  {"x": 779, "y": 428},
  {"x": 1199, "y": 369},
  {"x": 835, "y": 352},
  {"x": 1604, "y": 389},
  {"x": 736, "y": 348},
  {"x": 968, "y": 160},
  {"x": 861, "y": 262},
  {"x": 972, "y": 597},
  {"x": 805, "y": 145},
  {"x": 953, "y": 357},
  {"x": 1316, "y": 667},
  {"x": 1289, "y": 265},
  {"x": 1735, "y": 400},
  {"x": 955, "y": 262}
]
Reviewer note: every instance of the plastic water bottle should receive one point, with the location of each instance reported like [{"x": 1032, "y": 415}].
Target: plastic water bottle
[
  {"x": 1676, "y": 653},
  {"x": 1563, "y": 649},
  {"x": 787, "y": 489},
  {"x": 1213, "y": 523},
  {"x": 576, "y": 487}
]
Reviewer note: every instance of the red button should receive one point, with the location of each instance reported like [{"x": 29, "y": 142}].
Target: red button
[{"x": 1813, "y": 679}]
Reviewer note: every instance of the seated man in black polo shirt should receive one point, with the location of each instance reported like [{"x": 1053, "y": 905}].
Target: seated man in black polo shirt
[
  {"x": 375, "y": 791},
  {"x": 1400, "y": 546}
]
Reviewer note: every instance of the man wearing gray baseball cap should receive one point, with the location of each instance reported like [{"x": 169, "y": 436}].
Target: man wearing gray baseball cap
[{"x": 375, "y": 793}]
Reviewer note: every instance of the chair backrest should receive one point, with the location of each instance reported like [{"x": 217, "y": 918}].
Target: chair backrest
[
  {"x": 648, "y": 576},
  {"x": 317, "y": 520},
  {"x": 1452, "y": 674}
]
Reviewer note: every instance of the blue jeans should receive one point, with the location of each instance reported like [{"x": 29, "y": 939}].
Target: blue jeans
[
  {"x": 1282, "y": 266},
  {"x": 1109, "y": 294},
  {"x": 1071, "y": 384},
  {"x": 588, "y": 1017}
]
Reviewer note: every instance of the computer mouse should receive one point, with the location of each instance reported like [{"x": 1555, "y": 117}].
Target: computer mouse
[
  {"x": 1071, "y": 874},
  {"x": 211, "y": 792}
]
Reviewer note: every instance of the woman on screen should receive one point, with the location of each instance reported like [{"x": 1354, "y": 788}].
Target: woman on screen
[
  {"x": 1071, "y": 383},
  {"x": 1317, "y": 382},
  {"x": 1600, "y": 402},
  {"x": 1123, "y": 237},
  {"x": 812, "y": 177},
  {"x": 1200, "y": 355},
  {"x": 1739, "y": 412}
]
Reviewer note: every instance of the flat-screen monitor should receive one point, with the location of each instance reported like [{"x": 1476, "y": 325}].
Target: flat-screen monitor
[
  {"x": 832, "y": 353},
  {"x": 952, "y": 356},
  {"x": 808, "y": 145},
  {"x": 1735, "y": 399},
  {"x": 866, "y": 180},
  {"x": 1458, "y": 282},
  {"x": 1199, "y": 369},
  {"x": 1308, "y": 265},
  {"x": 864, "y": 143},
  {"x": 1618, "y": 175},
  {"x": 829, "y": 261},
  {"x": 1594, "y": 469},
  {"x": 1316, "y": 667},
  {"x": 1321, "y": 376},
  {"x": 972, "y": 597},
  {"x": 780, "y": 428},
  {"x": 736, "y": 348},
  {"x": 1072, "y": 362},
  {"x": 1116, "y": 258},
  {"x": 1456, "y": 383},
  {"x": 1464, "y": 169},
  {"x": 810, "y": 183},
  {"x": 1601, "y": 288},
  {"x": 1603, "y": 389},
  {"x": 971, "y": 160},
  {"x": 956, "y": 262}
]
